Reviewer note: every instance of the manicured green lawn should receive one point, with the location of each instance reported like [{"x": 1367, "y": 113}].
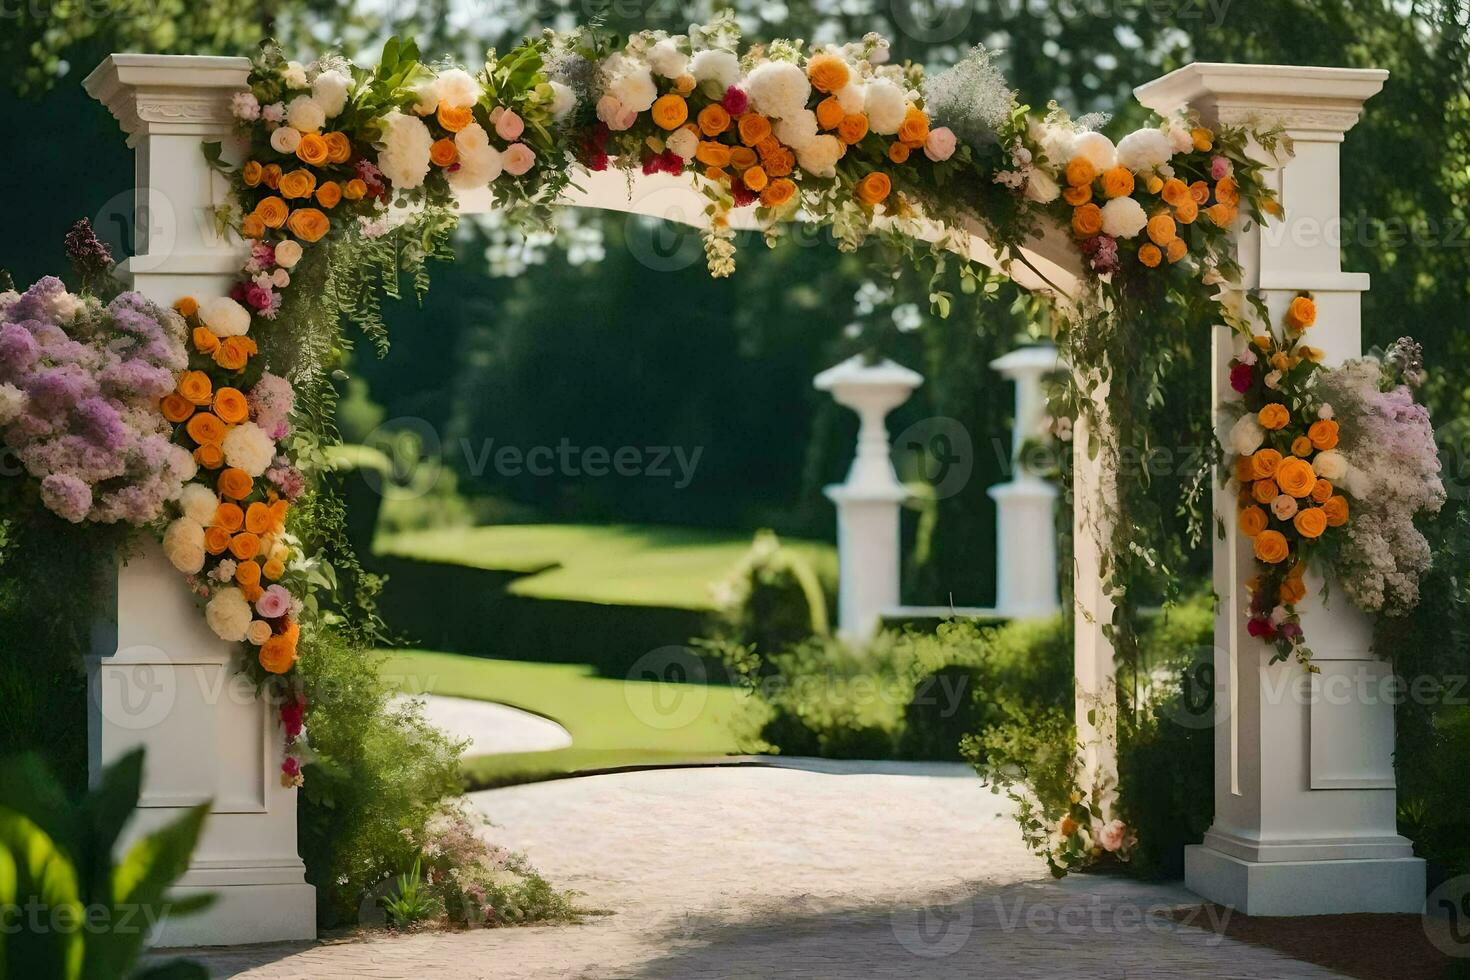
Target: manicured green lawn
[
  {"x": 613, "y": 723},
  {"x": 619, "y": 564}
]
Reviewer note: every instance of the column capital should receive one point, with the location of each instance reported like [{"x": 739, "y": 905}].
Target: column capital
[
  {"x": 162, "y": 94},
  {"x": 1312, "y": 103}
]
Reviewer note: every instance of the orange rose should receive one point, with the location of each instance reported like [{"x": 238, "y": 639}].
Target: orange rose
[
  {"x": 1149, "y": 255},
  {"x": 1081, "y": 172},
  {"x": 670, "y": 111},
  {"x": 753, "y": 128},
  {"x": 1323, "y": 434},
  {"x": 195, "y": 386},
  {"x": 228, "y": 517},
  {"x": 1271, "y": 547},
  {"x": 274, "y": 569},
  {"x": 756, "y": 179},
  {"x": 914, "y": 129},
  {"x": 443, "y": 152},
  {"x": 455, "y": 119},
  {"x": 898, "y": 153},
  {"x": 308, "y": 224},
  {"x": 230, "y": 406},
  {"x": 355, "y": 190},
  {"x": 206, "y": 428},
  {"x": 258, "y": 518},
  {"x": 272, "y": 211},
  {"x": 216, "y": 539},
  {"x": 1175, "y": 192},
  {"x": 1310, "y": 522},
  {"x": 1264, "y": 463},
  {"x": 780, "y": 163},
  {"x": 1252, "y": 521},
  {"x": 778, "y": 192},
  {"x": 1301, "y": 446},
  {"x": 1227, "y": 191},
  {"x": 205, "y": 342},
  {"x": 235, "y": 483},
  {"x": 279, "y": 652},
  {"x": 251, "y": 226},
  {"x": 1221, "y": 214},
  {"x": 1265, "y": 491},
  {"x": 1176, "y": 250},
  {"x": 1335, "y": 510},
  {"x": 1295, "y": 476},
  {"x": 1244, "y": 471},
  {"x": 1273, "y": 416},
  {"x": 768, "y": 147},
  {"x": 828, "y": 72},
  {"x": 175, "y": 407},
  {"x": 1161, "y": 230},
  {"x": 713, "y": 120},
  {"x": 874, "y": 188},
  {"x": 830, "y": 113},
  {"x": 1302, "y": 312},
  {"x": 298, "y": 183},
  {"x": 1203, "y": 138},
  {"x": 1077, "y": 196},
  {"x": 742, "y": 157},
  {"x": 1086, "y": 220},
  {"x": 1292, "y": 591},
  {"x": 329, "y": 195},
  {"x": 712, "y": 154},
  {"x": 1199, "y": 192},
  {"x": 247, "y": 573},
  {"x": 852, "y": 128},
  {"x": 234, "y": 352},
  {"x": 716, "y": 174},
  {"x": 312, "y": 149},
  {"x": 209, "y": 456},
  {"x": 252, "y": 173},
  {"x": 1117, "y": 182},
  {"x": 1186, "y": 212},
  {"x": 1321, "y": 490},
  {"x": 244, "y": 545},
  {"x": 279, "y": 509},
  {"x": 339, "y": 147}
]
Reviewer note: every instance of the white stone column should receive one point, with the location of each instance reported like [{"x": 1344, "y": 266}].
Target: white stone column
[
  {"x": 159, "y": 677},
  {"x": 1025, "y": 505},
  {"x": 868, "y": 551},
  {"x": 1304, "y": 779}
]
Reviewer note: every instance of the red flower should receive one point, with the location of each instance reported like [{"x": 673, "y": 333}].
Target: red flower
[
  {"x": 1261, "y": 628},
  {"x": 1241, "y": 377},
  {"x": 743, "y": 195},
  {"x": 735, "y": 101},
  {"x": 652, "y": 163},
  {"x": 671, "y": 163},
  {"x": 292, "y": 766}
]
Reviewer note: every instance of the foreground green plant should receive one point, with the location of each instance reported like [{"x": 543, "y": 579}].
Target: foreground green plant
[{"x": 410, "y": 902}]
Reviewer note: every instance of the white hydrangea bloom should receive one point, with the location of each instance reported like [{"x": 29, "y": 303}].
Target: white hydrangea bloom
[
  {"x": 1123, "y": 217},
  {"x": 667, "y": 60},
  {"x": 404, "y": 154},
  {"x": 228, "y": 614},
  {"x": 224, "y": 317},
  {"x": 479, "y": 162},
  {"x": 721, "y": 67},
  {"x": 779, "y": 89},
  {"x": 886, "y": 104},
  {"x": 797, "y": 130},
  {"x": 1096, "y": 148},
  {"x": 1143, "y": 150},
  {"x": 305, "y": 114},
  {"x": 247, "y": 447},
  {"x": 329, "y": 90},
  {"x": 819, "y": 157}
]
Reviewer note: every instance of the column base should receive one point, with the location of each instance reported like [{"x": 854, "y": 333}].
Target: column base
[
  {"x": 1281, "y": 888},
  {"x": 242, "y": 914}
]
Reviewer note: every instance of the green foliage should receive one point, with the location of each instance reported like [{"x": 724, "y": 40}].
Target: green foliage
[
  {"x": 411, "y": 901},
  {"x": 772, "y": 599},
  {"x": 70, "y": 911}
]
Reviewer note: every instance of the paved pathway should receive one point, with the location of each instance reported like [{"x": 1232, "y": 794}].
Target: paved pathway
[
  {"x": 492, "y": 728},
  {"x": 826, "y": 871}
]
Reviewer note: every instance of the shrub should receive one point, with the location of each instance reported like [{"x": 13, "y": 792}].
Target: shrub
[{"x": 772, "y": 600}]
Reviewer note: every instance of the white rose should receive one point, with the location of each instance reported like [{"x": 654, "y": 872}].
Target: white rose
[
  {"x": 779, "y": 88},
  {"x": 1055, "y": 142},
  {"x": 633, "y": 87},
  {"x": 258, "y": 632},
  {"x": 666, "y": 59},
  {"x": 247, "y": 447},
  {"x": 295, "y": 75},
  {"x": 721, "y": 67},
  {"x": 426, "y": 96},
  {"x": 1144, "y": 150},
  {"x": 329, "y": 90},
  {"x": 458, "y": 89},
  {"x": 852, "y": 97},
  {"x": 1123, "y": 217},
  {"x": 305, "y": 114},
  {"x": 228, "y": 614},
  {"x": 819, "y": 157},
  {"x": 404, "y": 157},
  {"x": 797, "y": 130},
  {"x": 280, "y": 278},
  {"x": 1246, "y": 436},
  {"x": 1324, "y": 411},
  {"x": 198, "y": 503},
  {"x": 479, "y": 162},
  {"x": 1040, "y": 187},
  {"x": 563, "y": 100},
  {"x": 224, "y": 317},
  {"x": 1330, "y": 465},
  {"x": 183, "y": 545},
  {"x": 284, "y": 139},
  {"x": 1284, "y": 507},
  {"x": 1096, "y": 148},
  {"x": 683, "y": 142},
  {"x": 886, "y": 104},
  {"x": 288, "y": 253}
]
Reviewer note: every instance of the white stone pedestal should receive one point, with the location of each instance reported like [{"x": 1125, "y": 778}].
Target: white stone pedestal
[
  {"x": 160, "y": 678},
  {"x": 1304, "y": 780},
  {"x": 1025, "y": 506},
  {"x": 868, "y": 546}
]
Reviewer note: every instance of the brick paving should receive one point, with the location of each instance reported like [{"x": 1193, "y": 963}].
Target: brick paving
[{"x": 822, "y": 870}]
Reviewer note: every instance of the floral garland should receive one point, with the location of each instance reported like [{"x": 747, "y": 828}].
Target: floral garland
[{"x": 334, "y": 153}]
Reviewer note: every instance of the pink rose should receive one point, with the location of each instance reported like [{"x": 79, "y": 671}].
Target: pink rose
[
  {"x": 940, "y": 144},
  {"x": 1111, "y": 835},
  {"x": 273, "y": 602},
  {"x": 1220, "y": 168},
  {"x": 518, "y": 159},
  {"x": 509, "y": 126}
]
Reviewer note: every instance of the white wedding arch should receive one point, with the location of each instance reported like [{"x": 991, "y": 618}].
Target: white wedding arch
[{"x": 1304, "y": 780}]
